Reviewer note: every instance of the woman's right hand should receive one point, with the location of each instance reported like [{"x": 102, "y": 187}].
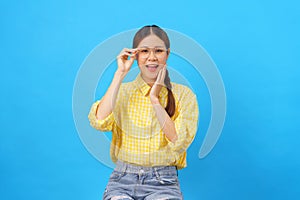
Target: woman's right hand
[{"x": 124, "y": 64}]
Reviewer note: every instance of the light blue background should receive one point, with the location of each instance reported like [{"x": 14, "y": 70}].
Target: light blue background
[{"x": 255, "y": 45}]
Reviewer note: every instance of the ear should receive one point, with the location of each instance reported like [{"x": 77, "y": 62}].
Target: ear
[{"x": 168, "y": 53}]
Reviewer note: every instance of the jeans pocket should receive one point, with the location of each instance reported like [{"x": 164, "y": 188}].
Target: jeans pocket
[
  {"x": 168, "y": 179},
  {"x": 116, "y": 176}
]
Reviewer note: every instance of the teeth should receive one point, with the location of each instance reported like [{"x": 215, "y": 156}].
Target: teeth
[{"x": 152, "y": 66}]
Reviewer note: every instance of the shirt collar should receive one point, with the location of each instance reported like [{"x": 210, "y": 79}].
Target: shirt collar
[{"x": 145, "y": 88}]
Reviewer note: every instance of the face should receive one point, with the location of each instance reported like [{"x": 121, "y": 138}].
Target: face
[{"x": 150, "y": 62}]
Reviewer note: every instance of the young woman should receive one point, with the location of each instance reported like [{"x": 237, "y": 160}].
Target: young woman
[{"x": 153, "y": 122}]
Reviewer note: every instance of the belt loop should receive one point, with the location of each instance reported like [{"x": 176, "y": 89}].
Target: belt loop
[
  {"x": 124, "y": 167},
  {"x": 121, "y": 166},
  {"x": 157, "y": 175}
]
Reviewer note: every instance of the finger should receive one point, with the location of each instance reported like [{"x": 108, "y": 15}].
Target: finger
[
  {"x": 164, "y": 74},
  {"x": 131, "y": 50},
  {"x": 164, "y": 69},
  {"x": 159, "y": 77},
  {"x": 123, "y": 58},
  {"x": 135, "y": 49},
  {"x": 133, "y": 55},
  {"x": 124, "y": 55},
  {"x": 124, "y": 50},
  {"x": 131, "y": 60},
  {"x": 128, "y": 51}
]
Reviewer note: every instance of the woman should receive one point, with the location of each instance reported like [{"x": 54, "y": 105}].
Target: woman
[{"x": 153, "y": 122}]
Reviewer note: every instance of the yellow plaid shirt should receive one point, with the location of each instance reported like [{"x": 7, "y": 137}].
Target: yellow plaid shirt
[{"x": 137, "y": 136}]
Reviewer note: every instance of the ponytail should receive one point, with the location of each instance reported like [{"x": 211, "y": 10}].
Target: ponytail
[{"x": 170, "y": 108}]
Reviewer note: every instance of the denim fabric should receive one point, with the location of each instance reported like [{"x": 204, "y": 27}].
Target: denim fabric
[{"x": 143, "y": 183}]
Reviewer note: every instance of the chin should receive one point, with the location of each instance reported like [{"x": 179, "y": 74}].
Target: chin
[
  {"x": 149, "y": 77},
  {"x": 152, "y": 77}
]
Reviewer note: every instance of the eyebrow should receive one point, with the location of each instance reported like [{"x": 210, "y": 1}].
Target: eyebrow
[{"x": 150, "y": 47}]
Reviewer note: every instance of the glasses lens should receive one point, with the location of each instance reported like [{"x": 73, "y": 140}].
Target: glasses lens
[
  {"x": 159, "y": 51},
  {"x": 145, "y": 52}
]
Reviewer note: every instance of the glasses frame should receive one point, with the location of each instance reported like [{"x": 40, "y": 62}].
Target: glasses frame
[{"x": 151, "y": 49}]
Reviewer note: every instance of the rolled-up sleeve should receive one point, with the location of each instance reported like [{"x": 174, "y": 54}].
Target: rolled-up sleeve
[
  {"x": 186, "y": 123},
  {"x": 104, "y": 124}
]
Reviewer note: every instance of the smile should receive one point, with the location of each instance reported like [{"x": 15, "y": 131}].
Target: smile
[{"x": 152, "y": 68}]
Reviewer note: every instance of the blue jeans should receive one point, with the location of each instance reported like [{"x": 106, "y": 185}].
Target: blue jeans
[{"x": 131, "y": 182}]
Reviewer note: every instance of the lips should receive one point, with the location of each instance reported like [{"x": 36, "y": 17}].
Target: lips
[{"x": 152, "y": 68}]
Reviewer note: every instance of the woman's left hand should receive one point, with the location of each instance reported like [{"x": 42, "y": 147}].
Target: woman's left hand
[{"x": 159, "y": 83}]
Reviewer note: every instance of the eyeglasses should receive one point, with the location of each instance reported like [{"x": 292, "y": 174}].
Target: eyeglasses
[{"x": 144, "y": 52}]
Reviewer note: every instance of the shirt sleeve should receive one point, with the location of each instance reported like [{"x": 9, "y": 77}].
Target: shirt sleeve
[
  {"x": 104, "y": 124},
  {"x": 186, "y": 123}
]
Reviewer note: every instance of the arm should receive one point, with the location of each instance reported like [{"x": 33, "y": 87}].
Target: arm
[
  {"x": 107, "y": 104},
  {"x": 108, "y": 101},
  {"x": 180, "y": 132},
  {"x": 101, "y": 116},
  {"x": 168, "y": 126}
]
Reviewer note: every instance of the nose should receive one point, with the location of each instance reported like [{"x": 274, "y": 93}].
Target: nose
[{"x": 152, "y": 56}]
